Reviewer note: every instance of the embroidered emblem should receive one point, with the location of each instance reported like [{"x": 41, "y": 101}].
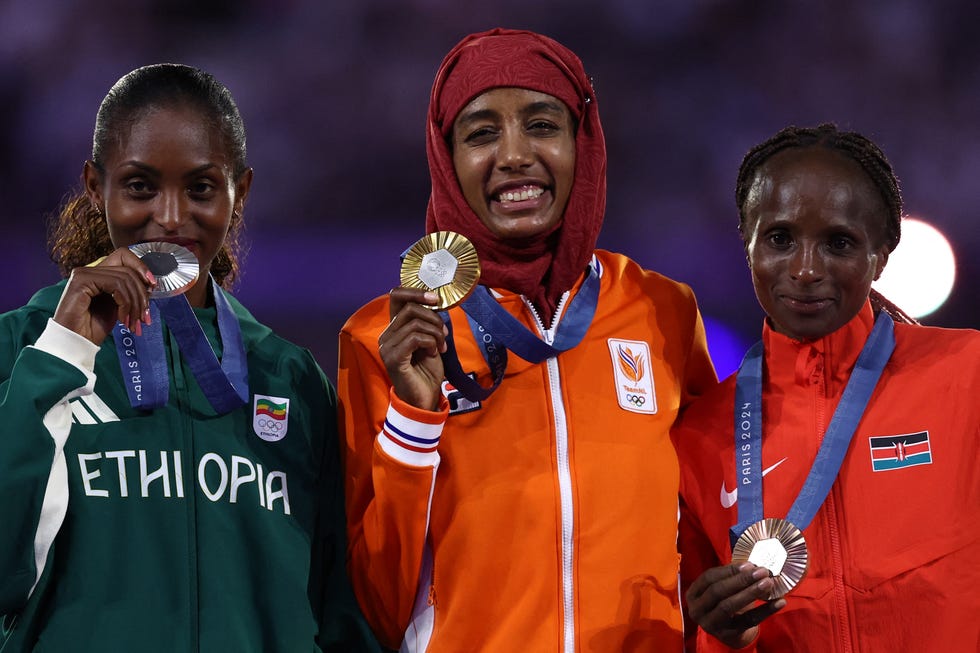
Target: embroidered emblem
[
  {"x": 897, "y": 451},
  {"x": 270, "y": 417},
  {"x": 633, "y": 376},
  {"x": 458, "y": 404}
]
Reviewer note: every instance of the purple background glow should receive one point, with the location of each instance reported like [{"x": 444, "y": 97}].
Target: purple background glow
[{"x": 334, "y": 96}]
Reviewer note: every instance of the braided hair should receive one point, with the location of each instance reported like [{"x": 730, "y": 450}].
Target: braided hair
[
  {"x": 79, "y": 234},
  {"x": 854, "y": 146}
]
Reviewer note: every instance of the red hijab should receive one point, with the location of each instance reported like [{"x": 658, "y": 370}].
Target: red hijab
[{"x": 550, "y": 264}]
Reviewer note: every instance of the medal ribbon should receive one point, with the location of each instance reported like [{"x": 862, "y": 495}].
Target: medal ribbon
[
  {"x": 748, "y": 430},
  {"x": 494, "y": 354},
  {"x": 144, "y": 373},
  {"x": 225, "y": 385},
  {"x": 496, "y": 331}
]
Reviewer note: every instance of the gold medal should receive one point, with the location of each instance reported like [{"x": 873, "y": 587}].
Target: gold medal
[
  {"x": 174, "y": 267},
  {"x": 778, "y": 546},
  {"x": 445, "y": 263}
]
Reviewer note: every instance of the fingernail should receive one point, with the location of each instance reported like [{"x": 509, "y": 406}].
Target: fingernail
[
  {"x": 149, "y": 277},
  {"x": 761, "y": 572},
  {"x": 431, "y": 297},
  {"x": 147, "y": 317}
]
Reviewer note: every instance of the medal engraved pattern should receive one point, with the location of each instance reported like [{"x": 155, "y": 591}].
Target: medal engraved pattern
[
  {"x": 778, "y": 546},
  {"x": 445, "y": 263}
]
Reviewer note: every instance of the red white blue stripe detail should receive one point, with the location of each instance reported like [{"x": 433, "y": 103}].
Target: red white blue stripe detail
[{"x": 409, "y": 439}]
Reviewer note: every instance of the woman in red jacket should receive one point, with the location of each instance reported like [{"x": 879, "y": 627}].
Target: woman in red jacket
[
  {"x": 541, "y": 517},
  {"x": 849, "y": 434}
]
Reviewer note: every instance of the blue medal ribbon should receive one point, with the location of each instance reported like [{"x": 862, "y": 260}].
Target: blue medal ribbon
[
  {"x": 516, "y": 337},
  {"x": 225, "y": 384},
  {"x": 493, "y": 353},
  {"x": 495, "y": 331},
  {"x": 748, "y": 430},
  {"x": 144, "y": 370}
]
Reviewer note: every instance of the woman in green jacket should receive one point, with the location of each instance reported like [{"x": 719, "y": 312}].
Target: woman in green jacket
[{"x": 156, "y": 499}]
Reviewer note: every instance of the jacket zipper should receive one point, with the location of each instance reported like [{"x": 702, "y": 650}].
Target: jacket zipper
[
  {"x": 837, "y": 566},
  {"x": 564, "y": 482},
  {"x": 836, "y": 558},
  {"x": 183, "y": 401}
]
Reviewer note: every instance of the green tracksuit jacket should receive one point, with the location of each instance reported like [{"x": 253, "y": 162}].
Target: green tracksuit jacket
[{"x": 174, "y": 529}]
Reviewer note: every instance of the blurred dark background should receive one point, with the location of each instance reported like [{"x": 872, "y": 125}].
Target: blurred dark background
[{"x": 334, "y": 96}]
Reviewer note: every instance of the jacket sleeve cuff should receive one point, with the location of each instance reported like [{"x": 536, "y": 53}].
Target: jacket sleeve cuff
[
  {"x": 411, "y": 435},
  {"x": 68, "y": 346}
]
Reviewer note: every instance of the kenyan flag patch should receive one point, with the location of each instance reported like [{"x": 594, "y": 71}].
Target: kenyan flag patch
[
  {"x": 270, "y": 417},
  {"x": 897, "y": 451}
]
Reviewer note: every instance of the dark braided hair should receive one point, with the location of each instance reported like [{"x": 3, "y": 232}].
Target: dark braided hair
[
  {"x": 79, "y": 235},
  {"x": 854, "y": 146}
]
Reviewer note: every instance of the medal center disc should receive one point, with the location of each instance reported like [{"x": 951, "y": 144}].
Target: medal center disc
[
  {"x": 160, "y": 263},
  {"x": 438, "y": 268},
  {"x": 176, "y": 269},
  {"x": 769, "y": 553}
]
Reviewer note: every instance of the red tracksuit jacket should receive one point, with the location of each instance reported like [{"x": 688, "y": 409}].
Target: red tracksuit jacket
[{"x": 894, "y": 556}]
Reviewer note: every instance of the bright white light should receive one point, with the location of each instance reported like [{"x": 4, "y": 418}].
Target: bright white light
[{"x": 921, "y": 271}]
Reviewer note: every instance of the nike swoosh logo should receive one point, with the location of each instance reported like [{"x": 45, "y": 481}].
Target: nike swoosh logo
[{"x": 728, "y": 499}]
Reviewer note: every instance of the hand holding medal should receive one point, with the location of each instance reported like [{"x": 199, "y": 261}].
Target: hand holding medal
[
  {"x": 433, "y": 265},
  {"x": 729, "y": 602},
  {"x": 224, "y": 382},
  {"x": 115, "y": 288},
  {"x": 112, "y": 288},
  {"x": 776, "y": 545},
  {"x": 437, "y": 272}
]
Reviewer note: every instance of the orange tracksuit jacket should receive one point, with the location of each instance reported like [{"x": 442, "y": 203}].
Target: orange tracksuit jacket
[
  {"x": 544, "y": 518},
  {"x": 894, "y": 555}
]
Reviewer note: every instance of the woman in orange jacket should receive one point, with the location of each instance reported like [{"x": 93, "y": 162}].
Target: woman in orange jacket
[
  {"x": 543, "y": 516},
  {"x": 849, "y": 435}
]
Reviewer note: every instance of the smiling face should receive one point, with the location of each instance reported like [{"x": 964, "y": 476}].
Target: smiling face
[
  {"x": 814, "y": 236},
  {"x": 170, "y": 179},
  {"x": 514, "y": 156}
]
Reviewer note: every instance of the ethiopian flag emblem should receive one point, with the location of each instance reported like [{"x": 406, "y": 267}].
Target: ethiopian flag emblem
[{"x": 270, "y": 417}]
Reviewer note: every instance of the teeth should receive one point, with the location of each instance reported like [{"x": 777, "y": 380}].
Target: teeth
[{"x": 518, "y": 196}]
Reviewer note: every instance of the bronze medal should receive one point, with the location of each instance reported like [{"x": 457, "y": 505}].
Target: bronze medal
[
  {"x": 175, "y": 267},
  {"x": 777, "y": 545},
  {"x": 445, "y": 263}
]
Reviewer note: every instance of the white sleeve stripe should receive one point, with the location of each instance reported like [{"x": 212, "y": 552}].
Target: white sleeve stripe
[
  {"x": 55, "y": 504},
  {"x": 80, "y": 352}
]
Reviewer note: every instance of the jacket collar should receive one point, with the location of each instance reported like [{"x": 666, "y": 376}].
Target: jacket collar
[{"x": 831, "y": 357}]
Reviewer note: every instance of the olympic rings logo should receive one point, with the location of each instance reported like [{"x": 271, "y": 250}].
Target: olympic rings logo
[
  {"x": 270, "y": 424},
  {"x": 636, "y": 400}
]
